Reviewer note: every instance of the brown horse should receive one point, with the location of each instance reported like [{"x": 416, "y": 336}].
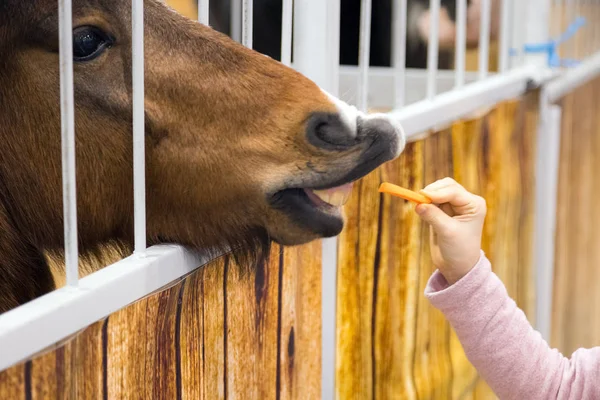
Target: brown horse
[{"x": 238, "y": 147}]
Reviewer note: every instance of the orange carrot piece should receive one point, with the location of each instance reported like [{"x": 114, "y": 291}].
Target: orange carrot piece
[{"x": 406, "y": 194}]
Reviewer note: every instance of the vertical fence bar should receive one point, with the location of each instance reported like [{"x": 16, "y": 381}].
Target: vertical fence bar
[
  {"x": 333, "y": 45},
  {"x": 399, "y": 28},
  {"x": 484, "y": 38},
  {"x": 139, "y": 169},
  {"x": 505, "y": 27},
  {"x": 236, "y": 20},
  {"x": 364, "y": 52},
  {"x": 537, "y": 30},
  {"x": 519, "y": 31},
  {"x": 247, "y": 23},
  {"x": 286, "y": 31},
  {"x": 314, "y": 41},
  {"x": 67, "y": 114},
  {"x": 329, "y": 267},
  {"x": 461, "y": 43},
  {"x": 433, "y": 48},
  {"x": 547, "y": 165},
  {"x": 203, "y": 12}
]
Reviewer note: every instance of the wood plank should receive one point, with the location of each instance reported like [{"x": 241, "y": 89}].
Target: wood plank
[
  {"x": 433, "y": 363},
  {"x": 396, "y": 282},
  {"x": 142, "y": 347},
  {"x": 300, "y": 325},
  {"x": 214, "y": 338},
  {"x": 575, "y": 300},
  {"x": 52, "y": 376},
  {"x": 190, "y": 333},
  {"x": 467, "y": 163},
  {"x": 13, "y": 383},
  {"x": 252, "y": 321}
]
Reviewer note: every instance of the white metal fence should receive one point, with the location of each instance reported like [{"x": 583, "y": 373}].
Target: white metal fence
[{"x": 422, "y": 100}]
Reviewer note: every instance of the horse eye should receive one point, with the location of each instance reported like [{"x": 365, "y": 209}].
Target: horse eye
[{"x": 89, "y": 42}]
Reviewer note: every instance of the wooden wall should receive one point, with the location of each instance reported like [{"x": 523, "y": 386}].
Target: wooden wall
[
  {"x": 576, "y": 304},
  {"x": 253, "y": 332},
  {"x": 392, "y": 343},
  {"x": 225, "y": 331}
]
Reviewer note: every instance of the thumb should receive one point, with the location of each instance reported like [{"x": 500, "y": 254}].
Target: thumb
[{"x": 434, "y": 216}]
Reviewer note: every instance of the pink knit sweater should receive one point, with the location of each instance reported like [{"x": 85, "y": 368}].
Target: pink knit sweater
[{"x": 499, "y": 341}]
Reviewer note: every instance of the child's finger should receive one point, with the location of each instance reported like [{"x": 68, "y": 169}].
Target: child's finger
[
  {"x": 454, "y": 194},
  {"x": 441, "y": 183},
  {"x": 439, "y": 221}
]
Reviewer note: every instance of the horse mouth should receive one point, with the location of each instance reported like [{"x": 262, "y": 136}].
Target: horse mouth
[{"x": 316, "y": 210}]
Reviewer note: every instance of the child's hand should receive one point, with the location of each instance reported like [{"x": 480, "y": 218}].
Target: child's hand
[{"x": 456, "y": 227}]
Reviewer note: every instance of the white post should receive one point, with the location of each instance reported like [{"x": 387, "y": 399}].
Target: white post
[
  {"x": 236, "y": 20},
  {"x": 247, "y": 22},
  {"x": 139, "y": 172},
  {"x": 67, "y": 114},
  {"x": 505, "y": 29},
  {"x": 286, "y": 31},
  {"x": 399, "y": 28},
  {"x": 461, "y": 43},
  {"x": 203, "y": 12},
  {"x": 547, "y": 165},
  {"x": 316, "y": 37},
  {"x": 433, "y": 47},
  {"x": 519, "y": 26},
  {"x": 333, "y": 43},
  {"x": 484, "y": 38},
  {"x": 537, "y": 28},
  {"x": 364, "y": 53}
]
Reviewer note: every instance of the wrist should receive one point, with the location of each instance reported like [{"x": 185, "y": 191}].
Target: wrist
[{"x": 454, "y": 273}]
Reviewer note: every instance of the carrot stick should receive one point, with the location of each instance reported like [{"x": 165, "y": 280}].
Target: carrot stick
[{"x": 404, "y": 193}]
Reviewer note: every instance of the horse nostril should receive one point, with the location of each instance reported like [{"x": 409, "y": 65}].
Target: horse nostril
[
  {"x": 321, "y": 132},
  {"x": 329, "y": 132}
]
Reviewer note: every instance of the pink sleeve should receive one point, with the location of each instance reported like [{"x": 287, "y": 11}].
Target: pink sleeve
[{"x": 499, "y": 341}]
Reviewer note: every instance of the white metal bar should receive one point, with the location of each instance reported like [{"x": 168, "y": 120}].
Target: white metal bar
[
  {"x": 139, "y": 162},
  {"x": 505, "y": 29},
  {"x": 537, "y": 28},
  {"x": 484, "y": 38},
  {"x": 421, "y": 117},
  {"x": 203, "y": 12},
  {"x": 519, "y": 17},
  {"x": 433, "y": 47},
  {"x": 547, "y": 164},
  {"x": 328, "y": 317},
  {"x": 315, "y": 39},
  {"x": 39, "y": 324},
  {"x": 329, "y": 266},
  {"x": 574, "y": 78},
  {"x": 399, "y": 29},
  {"x": 67, "y": 113},
  {"x": 381, "y": 79},
  {"x": 247, "y": 22},
  {"x": 333, "y": 45},
  {"x": 236, "y": 20},
  {"x": 461, "y": 42},
  {"x": 286, "y": 31},
  {"x": 364, "y": 52},
  {"x": 310, "y": 39}
]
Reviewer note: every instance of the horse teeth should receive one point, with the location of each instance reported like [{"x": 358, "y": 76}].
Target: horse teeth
[{"x": 336, "y": 198}]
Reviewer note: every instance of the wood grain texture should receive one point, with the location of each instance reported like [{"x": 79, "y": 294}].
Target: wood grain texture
[
  {"x": 576, "y": 296},
  {"x": 300, "y": 326},
  {"x": 392, "y": 343},
  {"x": 230, "y": 331}
]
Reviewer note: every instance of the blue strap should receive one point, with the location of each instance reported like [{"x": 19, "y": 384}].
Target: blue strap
[{"x": 551, "y": 47}]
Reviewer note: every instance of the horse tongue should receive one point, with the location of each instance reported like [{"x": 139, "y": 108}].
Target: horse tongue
[{"x": 337, "y": 196}]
